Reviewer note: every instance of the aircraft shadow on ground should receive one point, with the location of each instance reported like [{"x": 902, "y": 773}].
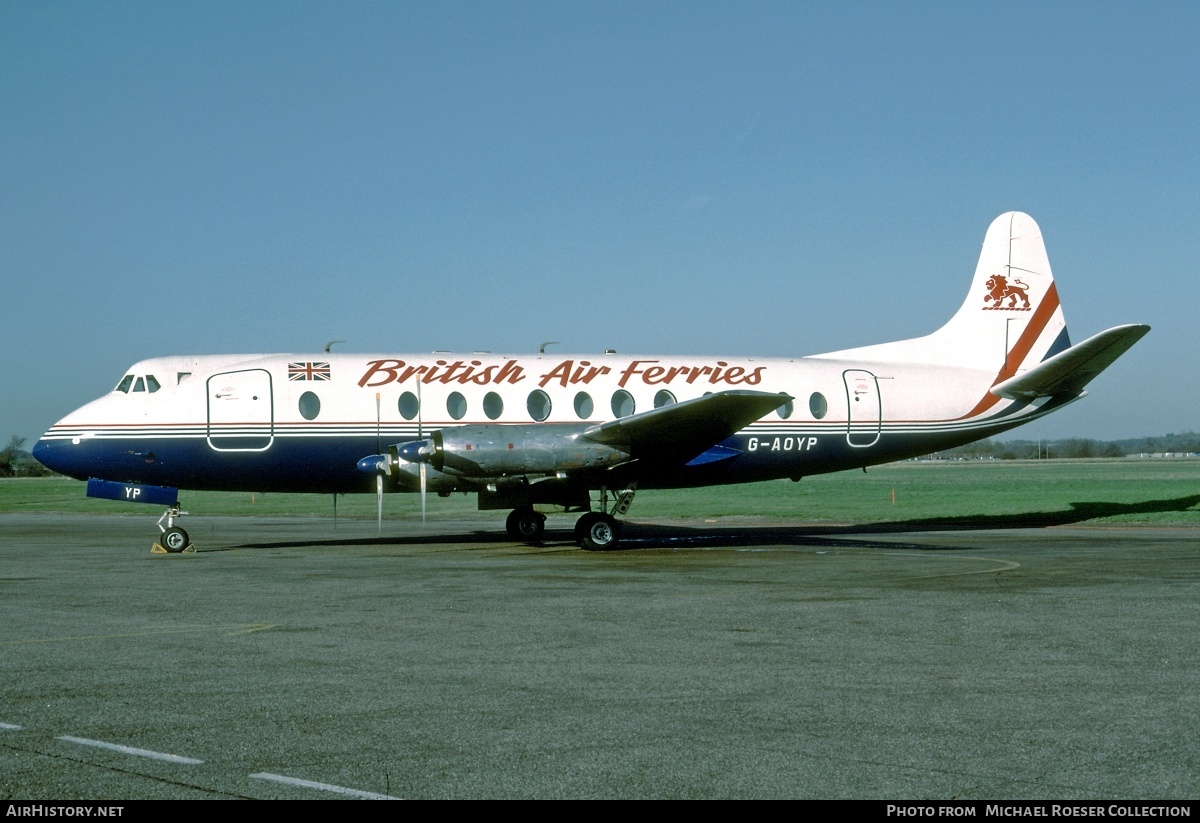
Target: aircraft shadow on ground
[{"x": 641, "y": 536}]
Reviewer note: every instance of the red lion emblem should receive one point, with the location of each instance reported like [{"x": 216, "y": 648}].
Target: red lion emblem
[{"x": 999, "y": 288}]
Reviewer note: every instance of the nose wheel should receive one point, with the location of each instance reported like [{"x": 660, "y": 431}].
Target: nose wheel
[{"x": 173, "y": 539}]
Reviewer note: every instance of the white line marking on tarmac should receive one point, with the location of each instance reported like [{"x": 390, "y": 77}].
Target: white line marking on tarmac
[
  {"x": 100, "y": 744},
  {"x": 1001, "y": 565},
  {"x": 324, "y": 787},
  {"x": 9, "y": 727}
]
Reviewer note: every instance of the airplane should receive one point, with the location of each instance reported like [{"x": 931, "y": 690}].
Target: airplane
[{"x": 583, "y": 433}]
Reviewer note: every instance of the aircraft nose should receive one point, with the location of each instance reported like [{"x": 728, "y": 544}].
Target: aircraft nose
[
  {"x": 45, "y": 452},
  {"x": 66, "y": 455}
]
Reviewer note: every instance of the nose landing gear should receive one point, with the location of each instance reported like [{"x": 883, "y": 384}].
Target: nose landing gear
[{"x": 173, "y": 539}]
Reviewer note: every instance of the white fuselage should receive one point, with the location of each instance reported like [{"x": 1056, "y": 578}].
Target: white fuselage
[{"x": 301, "y": 422}]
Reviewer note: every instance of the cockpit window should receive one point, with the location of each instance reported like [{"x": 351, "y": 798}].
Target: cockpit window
[{"x": 148, "y": 383}]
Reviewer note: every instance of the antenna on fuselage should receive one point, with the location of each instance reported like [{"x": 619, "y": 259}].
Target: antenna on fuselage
[
  {"x": 329, "y": 345},
  {"x": 542, "y": 348}
]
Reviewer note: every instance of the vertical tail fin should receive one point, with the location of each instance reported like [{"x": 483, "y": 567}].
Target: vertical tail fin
[{"x": 1011, "y": 319}]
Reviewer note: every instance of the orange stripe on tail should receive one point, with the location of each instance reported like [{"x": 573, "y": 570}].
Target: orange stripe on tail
[{"x": 1016, "y": 356}]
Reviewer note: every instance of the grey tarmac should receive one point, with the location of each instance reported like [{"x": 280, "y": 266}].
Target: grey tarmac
[{"x": 737, "y": 659}]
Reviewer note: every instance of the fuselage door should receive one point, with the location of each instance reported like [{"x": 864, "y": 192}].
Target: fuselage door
[
  {"x": 240, "y": 411},
  {"x": 864, "y": 408}
]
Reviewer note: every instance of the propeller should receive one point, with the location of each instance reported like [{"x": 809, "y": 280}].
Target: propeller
[
  {"x": 378, "y": 465},
  {"x": 379, "y": 504},
  {"x": 381, "y": 462}
]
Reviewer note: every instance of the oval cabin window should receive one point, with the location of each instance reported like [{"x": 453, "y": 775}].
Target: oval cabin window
[
  {"x": 493, "y": 405},
  {"x": 310, "y": 406},
  {"x": 818, "y": 405},
  {"x": 622, "y": 403},
  {"x": 785, "y": 411},
  {"x": 538, "y": 405},
  {"x": 408, "y": 405},
  {"x": 583, "y": 405}
]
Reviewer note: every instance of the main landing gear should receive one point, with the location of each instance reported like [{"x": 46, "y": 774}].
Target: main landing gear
[
  {"x": 525, "y": 524},
  {"x": 601, "y": 531},
  {"x": 595, "y": 531},
  {"x": 173, "y": 539}
]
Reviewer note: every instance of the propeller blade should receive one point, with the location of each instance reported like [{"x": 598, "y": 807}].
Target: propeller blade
[
  {"x": 424, "y": 485},
  {"x": 379, "y": 501}
]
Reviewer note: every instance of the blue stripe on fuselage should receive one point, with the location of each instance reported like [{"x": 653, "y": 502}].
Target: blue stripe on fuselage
[{"x": 330, "y": 464}]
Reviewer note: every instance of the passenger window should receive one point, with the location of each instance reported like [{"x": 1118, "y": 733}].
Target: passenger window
[
  {"x": 818, "y": 405},
  {"x": 493, "y": 405},
  {"x": 663, "y": 398},
  {"x": 152, "y": 384},
  {"x": 125, "y": 383},
  {"x": 785, "y": 411},
  {"x": 408, "y": 405},
  {"x": 310, "y": 406},
  {"x": 538, "y": 405},
  {"x": 622, "y": 403},
  {"x": 456, "y": 405},
  {"x": 583, "y": 405}
]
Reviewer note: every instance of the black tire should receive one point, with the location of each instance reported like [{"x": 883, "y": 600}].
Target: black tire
[
  {"x": 598, "y": 532},
  {"x": 175, "y": 540},
  {"x": 525, "y": 524}
]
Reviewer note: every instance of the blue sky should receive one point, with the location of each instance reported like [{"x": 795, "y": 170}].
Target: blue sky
[{"x": 705, "y": 178}]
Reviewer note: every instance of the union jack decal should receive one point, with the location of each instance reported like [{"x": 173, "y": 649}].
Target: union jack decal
[{"x": 308, "y": 371}]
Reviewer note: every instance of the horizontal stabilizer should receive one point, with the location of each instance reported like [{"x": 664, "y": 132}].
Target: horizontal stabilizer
[
  {"x": 683, "y": 430},
  {"x": 1066, "y": 373}
]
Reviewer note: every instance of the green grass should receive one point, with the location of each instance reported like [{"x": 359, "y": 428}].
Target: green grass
[{"x": 979, "y": 494}]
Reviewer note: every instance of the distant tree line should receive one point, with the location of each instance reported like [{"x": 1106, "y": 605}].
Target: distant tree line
[
  {"x": 17, "y": 463},
  {"x": 1073, "y": 448}
]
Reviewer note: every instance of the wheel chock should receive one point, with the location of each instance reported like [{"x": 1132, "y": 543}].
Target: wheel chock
[{"x": 158, "y": 548}]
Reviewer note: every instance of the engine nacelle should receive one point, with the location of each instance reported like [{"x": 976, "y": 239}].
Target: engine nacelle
[{"x": 499, "y": 451}]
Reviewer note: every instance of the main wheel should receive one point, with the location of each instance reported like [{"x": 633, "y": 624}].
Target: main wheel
[
  {"x": 175, "y": 540},
  {"x": 525, "y": 524},
  {"x": 598, "y": 532}
]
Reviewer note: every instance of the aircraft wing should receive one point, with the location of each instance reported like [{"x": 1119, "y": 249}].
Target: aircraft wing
[
  {"x": 1067, "y": 372},
  {"x": 684, "y": 430}
]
